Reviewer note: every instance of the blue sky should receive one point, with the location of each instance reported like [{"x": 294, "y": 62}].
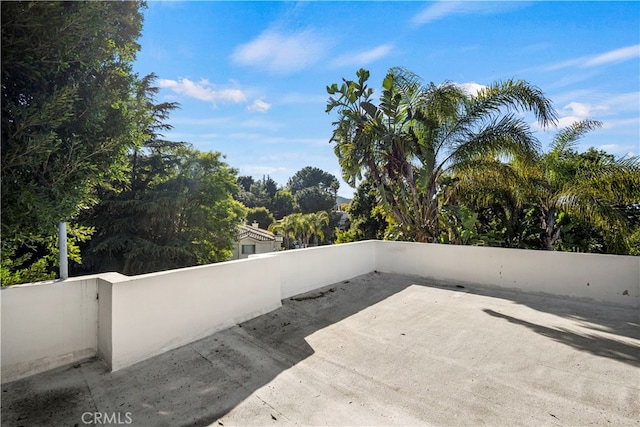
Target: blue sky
[{"x": 251, "y": 76}]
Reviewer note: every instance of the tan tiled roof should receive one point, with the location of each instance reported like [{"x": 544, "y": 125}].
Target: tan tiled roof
[{"x": 255, "y": 233}]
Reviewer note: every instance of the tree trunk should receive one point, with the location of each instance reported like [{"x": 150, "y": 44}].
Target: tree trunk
[{"x": 552, "y": 231}]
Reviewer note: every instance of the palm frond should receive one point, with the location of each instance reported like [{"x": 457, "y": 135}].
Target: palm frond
[
  {"x": 568, "y": 137},
  {"x": 517, "y": 95}
]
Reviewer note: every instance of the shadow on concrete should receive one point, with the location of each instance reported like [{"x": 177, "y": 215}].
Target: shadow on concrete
[
  {"x": 197, "y": 384},
  {"x": 594, "y": 344},
  {"x": 599, "y": 317}
]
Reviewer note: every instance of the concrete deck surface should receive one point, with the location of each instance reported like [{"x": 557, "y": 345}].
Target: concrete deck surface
[{"x": 379, "y": 349}]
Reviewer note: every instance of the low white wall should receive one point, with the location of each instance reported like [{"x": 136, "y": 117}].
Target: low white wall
[
  {"x": 46, "y": 325},
  {"x": 157, "y": 312},
  {"x": 303, "y": 270},
  {"x": 606, "y": 278},
  {"x": 129, "y": 319}
]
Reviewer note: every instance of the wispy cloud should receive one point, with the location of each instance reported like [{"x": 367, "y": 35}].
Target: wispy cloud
[
  {"x": 363, "y": 57},
  {"x": 445, "y": 9},
  {"x": 617, "y": 55},
  {"x": 576, "y": 111},
  {"x": 580, "y": 105},
  {"x": 204, "y": 91},
  {"x": 282, "y": 53},
  {"x": 610, "y": 57},
  {"x": 259, "y": 106},
  {"x": 438, "y": 11}
]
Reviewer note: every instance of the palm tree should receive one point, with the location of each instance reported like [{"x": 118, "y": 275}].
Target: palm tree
[
  {"x": 417, "y": 134},
  {"x": 302, "y": 227},
  {"x": 286, "y": 227},
  {"x": 592, "y": 187},
  {"x": 317, "y": 221},
  {"x": 501, "y": 191}
]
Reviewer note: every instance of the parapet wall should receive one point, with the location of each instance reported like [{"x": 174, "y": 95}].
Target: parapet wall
[
  {"x": 129, "y": 319},
  {"x": 611, "y": 279}
]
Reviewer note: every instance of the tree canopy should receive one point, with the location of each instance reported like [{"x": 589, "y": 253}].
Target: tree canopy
[
  {"x": 310, "y": 176},
  {"x": 564, "y": 199},
  {"x": 72, "y": 108},
  {"x": 176, "y": 209},
  {"x": 416, "y": 134},
  {"x": 69, "y": 111},
  {"x": 80, "y": 144}
]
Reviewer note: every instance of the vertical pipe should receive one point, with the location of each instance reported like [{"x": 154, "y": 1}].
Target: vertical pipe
[{"x": 62, "y": 237}]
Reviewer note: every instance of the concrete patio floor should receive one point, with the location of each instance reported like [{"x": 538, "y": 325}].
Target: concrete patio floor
[{"x": 379, "y": 349}]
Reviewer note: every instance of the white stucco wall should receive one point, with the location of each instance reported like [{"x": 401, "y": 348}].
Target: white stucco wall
[
  {"x": 129, "y": 319},
  {"x": 303, "y": 270},
  {"x": 156, "y": 312},
  {"x": 46, "y": 325},
  {"x": 605, "y": 278}
]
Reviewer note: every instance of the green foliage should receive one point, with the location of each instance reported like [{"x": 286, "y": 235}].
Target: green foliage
[
  {"x": 175, "y": 210},
  {"x": 313, "y": 199},
  {"x": 71, "y": 109},
  {"x": 312, "y": 177},
  {"x": 366, "y": 216},
  {"x": 417, "y": 134},
  {"x": 313, "y": 190},
  {"x": 34, "y": 259},
  {"x": 562, "y": 200},
  {"x": 261, "y": 215},
  {"x": 283, "y": 203},
  {"x": 299, "y": 229},
  {"x": 254, "y": 194},
  {"x": 460, "y": 226},
  {"x": 68, "y": 107}
]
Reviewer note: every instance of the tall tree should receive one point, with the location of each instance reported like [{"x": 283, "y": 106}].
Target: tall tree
[
  {"x": 366, "y": 221},
  {"x": 417, "y": 134},
  {"x": 283, "y": 203},
  {"x": 317, "y": 222},
  {"x": 312, "y": 177},
  {"x": 69, "y": 114},
  {"x": 314, "y": 199},
  {"x": 313, "y": 189},
  {"x": 177, "y": 210}
]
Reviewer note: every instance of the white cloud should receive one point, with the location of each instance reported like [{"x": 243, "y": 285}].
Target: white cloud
[
  {"x": 617, "y": 55},
  {"x": 259, "y": 106},
  {"x": 582, "y": 110},
  {"x": 443, "y": 9},
  {"x": 282, "y": 53},
  {"x": 363, "y": 57},
  {"x": 471, "y": 88},
  {"x": 204, "y": 91},
  {"x": 612, "y": 56},
  {"x": 437, "y": 11}
]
